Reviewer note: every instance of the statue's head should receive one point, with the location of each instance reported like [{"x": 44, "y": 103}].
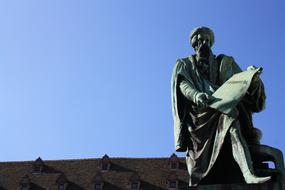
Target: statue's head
[{"x": 202, "y": 39}]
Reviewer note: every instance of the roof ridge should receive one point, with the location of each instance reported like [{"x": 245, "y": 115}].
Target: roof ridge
[{"x": 86, "y": 159}]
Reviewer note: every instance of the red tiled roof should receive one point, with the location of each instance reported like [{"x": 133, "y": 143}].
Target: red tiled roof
[{"x": 153, "y": 173}]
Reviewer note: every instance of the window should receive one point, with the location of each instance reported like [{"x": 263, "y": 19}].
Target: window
[
  {"x": 98, "y": 186},
  {"x": 174, "y": 165},
  {"x": 24, "y": 187},
  {"x": 134, "y": 182},
  {"x": 62, "y": 182},
  {"x": 61, "y": 186},
  {"x": 25, "y": 183},
  {"x": 172, "y": 184},
  {"x": 38, "y": 169},
  {"x": 105, "y": 166},
  {"x": 98, "y": 181},
  {"x": 134, "y": 186}
]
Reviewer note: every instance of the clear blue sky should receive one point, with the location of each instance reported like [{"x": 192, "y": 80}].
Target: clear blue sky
[{"x": 79, "y": 79}]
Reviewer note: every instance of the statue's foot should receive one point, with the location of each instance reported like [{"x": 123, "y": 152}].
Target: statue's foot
[{"x": 250, "y": 178}]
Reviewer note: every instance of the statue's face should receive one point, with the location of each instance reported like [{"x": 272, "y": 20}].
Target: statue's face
[
  {"x": 203, "y": 45},
  {"x": 203, "y": 39}
]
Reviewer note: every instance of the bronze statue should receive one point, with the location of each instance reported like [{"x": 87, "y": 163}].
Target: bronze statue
[{"x": 204, "y": 132}]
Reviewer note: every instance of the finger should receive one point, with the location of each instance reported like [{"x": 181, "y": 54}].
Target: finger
[
  {"x": 209, "y": 98},
  {"x": 201, "y": 104},
  {"x": 204, "y": 105}
]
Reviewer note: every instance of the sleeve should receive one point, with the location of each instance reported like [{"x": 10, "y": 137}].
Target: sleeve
[
  {"x": 188, "y": 90},
  {"x": 179, "y": 106},
  {"x": 255, "y": 97}
]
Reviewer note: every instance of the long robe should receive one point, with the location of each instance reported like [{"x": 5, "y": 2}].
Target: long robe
[{"x": 202, "y": 132}]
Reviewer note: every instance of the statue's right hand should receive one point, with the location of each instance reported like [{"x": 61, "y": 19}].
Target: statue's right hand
[{"x": 202, "y": 99}]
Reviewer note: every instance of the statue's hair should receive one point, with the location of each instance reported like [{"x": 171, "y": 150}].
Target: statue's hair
[{"x": 199, "y": 30}]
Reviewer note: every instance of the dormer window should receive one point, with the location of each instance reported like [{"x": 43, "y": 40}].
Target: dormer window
[
  {"x": 62, "y": 182},
  {"x": 24, "y": 187},
  {"x": 25, "y": 183},
  {"x": 172, "y": 182},
  {"x": 105, "y": 166},
  {"x": 61, "y": 186},
  {"x": 135, "y": 182},
  {"x": 134, "y": 186},
  {"x": 106, "y": 163},
  {"x": 98, "y": 182},
  {"x": 173, "y": 162},
  {"x": 98, "y": 186},
  {"x": 38, "y": 165}
]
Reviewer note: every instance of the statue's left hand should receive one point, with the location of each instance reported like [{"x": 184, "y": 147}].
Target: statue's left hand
[{"x": 255, "y": 80}]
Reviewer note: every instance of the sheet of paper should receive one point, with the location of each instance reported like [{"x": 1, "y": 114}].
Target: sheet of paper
[{"x": 232, "y": 91}]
